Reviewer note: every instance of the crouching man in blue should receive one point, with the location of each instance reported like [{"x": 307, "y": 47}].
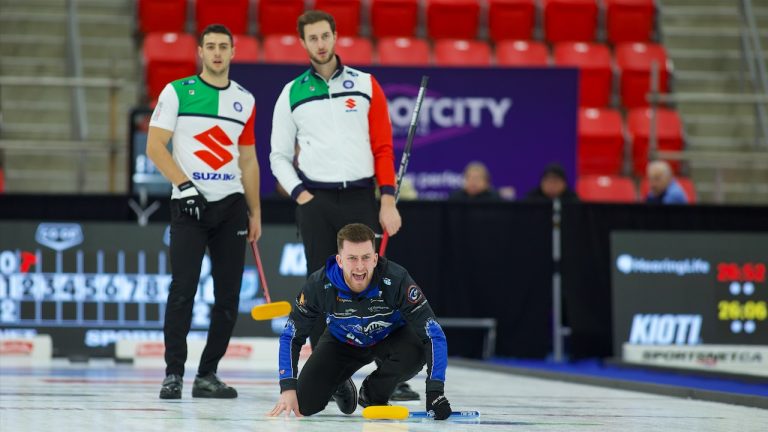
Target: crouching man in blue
[{"x": 374, "y": 311}]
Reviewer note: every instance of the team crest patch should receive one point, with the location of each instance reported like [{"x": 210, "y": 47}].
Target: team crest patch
[
  {"x": 238, "y": 107},
  {"x": 191, "y": 92},
  {"x": 348, "y": 84},
  {"x": 414, "y": 294}
]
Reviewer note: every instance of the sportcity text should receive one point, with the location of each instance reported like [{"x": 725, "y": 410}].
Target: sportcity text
[{"x": 447, "y": 112}]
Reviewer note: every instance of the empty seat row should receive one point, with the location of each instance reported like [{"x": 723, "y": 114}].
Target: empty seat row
[
  {"x": 629, "y": 67},
  {"x": 632, "y": 68},
  {"x": 633, "y": 64},
  {"x": 618, "y": 189},
  {"x": 564, "y": 20},
  {"x": 604, "y": 139}
]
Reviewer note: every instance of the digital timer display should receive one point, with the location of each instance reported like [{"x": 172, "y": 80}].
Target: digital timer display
[{"x": 663, "y": 280}]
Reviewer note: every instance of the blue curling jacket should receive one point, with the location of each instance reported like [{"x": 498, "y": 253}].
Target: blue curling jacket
[{"x": 391, "y": 301}]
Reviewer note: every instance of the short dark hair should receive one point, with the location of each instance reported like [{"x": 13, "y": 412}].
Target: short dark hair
[
  {"x": 215, "y": 28},
  {"x": 314, "y": 16},
  {"x": 554, "y": 170},
  {"x": 355, "y": 233}
]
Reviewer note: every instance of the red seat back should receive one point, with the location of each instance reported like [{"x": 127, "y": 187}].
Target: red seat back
[
  {"x": 346, "y": 13},
  {"x": 634, "y": 63},
  {"x": 511, "y": 19},
  {"x": 231, "y": 13},
  {"x": 284, "y": 49},
  {"x": 570, "y": 20},
  {"x": 601, "y": 142},
  {"x": 629, "y": 20},
  {"x": 521, "y": 53},
  {"x": 453, "y": 19},
  {"x": 162, "y": 16},
  {"x": 394, "y": 18},
  {"x": 246, "y": 49},
  {"x": 606, "y": 189},
  {"x": 461, "y": 52},
  {"x": 355, "y": 50},
  {"x": 402, "y": 51},
  {"x": 595, "y": 73},
  {"x": 167, "y": 57},
  {"x": 279, "y": 16}
]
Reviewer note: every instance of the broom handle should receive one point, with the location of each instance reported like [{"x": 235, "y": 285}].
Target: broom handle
[
  {"x": 263, "y": 280},
  {"x": 406, "y": 152}
]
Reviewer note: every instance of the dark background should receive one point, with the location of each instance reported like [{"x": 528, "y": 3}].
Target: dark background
[{"x": 482, "y": 260}]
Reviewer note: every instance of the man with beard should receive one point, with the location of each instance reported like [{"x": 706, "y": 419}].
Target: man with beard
[
  {"x": 375, "y": 312},
  {"x": 331, "y": 143}
]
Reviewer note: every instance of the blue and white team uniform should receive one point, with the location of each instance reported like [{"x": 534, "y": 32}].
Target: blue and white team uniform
[{"x": 391, "y": 322}]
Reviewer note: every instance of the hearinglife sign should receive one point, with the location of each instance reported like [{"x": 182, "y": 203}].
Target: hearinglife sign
[{"x": 516, "y": 121}]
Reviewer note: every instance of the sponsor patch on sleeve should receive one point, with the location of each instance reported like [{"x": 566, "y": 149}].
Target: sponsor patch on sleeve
[{"x": 414, "y": 294}]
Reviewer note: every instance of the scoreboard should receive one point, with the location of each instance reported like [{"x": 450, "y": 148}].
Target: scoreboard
[
  {"x": 691, "y": 299},
  {"x": 89, "y": 284}
]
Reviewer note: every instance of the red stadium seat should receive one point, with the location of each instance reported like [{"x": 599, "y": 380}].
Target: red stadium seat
[
  {"x": 279, "y": 16},
  {"x": 246, "y": 49},
  {"x": 162, "y": 16},
  {"x": 570, "y": 20},
  {"x": 601, "y": 142},
  {"x": 521, "y": 53},
  {"x": 634, "y": 63},
  {"x": 402, "y": 51},
  {"x": 594, "y": 63},
  {"x": 346, "y": 13},
  {"x": 669, "y": 129},
  {"x": 231, "y": 13},
  {"x": 284, "y": 49},
  {"x": 453, "y": 19},
  {"x": 168, "y": 57},
  {"x": 606, "y": 189},
  {"x": 687, "y": 184},
  {"x": 629, "y": 20},
  {"x": 511, "y": 19},
  {"x": 394, "y": 18},
  {"x": 461, "y": 52},
  {"x": 355, "y": 50}
]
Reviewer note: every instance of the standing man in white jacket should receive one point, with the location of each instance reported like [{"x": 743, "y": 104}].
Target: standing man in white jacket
[{"x": 331, "y": 145}]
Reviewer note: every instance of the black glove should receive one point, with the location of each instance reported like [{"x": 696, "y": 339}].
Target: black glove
[
  {"x": 438, "y": 405},
  {"x": 191, "y": 201}
]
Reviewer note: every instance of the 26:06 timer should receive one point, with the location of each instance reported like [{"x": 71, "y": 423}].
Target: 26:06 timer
[{"x": 729, "y": 310}]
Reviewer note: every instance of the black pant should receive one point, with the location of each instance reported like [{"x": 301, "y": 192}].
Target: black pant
[
  {"x": 223, "y": 229},
  {"x": 399, "y": 358},
  {"x": 321, "y": 219}
]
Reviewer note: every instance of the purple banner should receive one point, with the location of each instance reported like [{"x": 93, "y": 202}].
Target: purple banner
[{"x": 515, "y": 121}]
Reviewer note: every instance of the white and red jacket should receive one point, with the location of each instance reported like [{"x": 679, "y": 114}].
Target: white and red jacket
[{"x": 332, "y": 132}]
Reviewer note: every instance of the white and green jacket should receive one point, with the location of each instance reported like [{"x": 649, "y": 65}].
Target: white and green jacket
[
  {"x": 207, "y": 122},
  {"x": 340, "y": 129}
]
